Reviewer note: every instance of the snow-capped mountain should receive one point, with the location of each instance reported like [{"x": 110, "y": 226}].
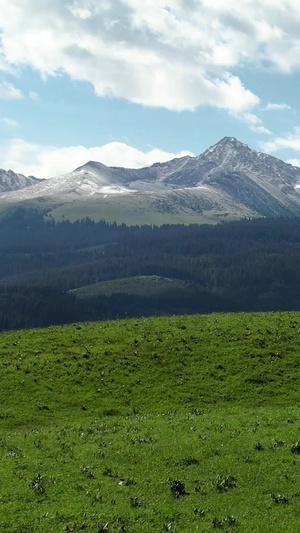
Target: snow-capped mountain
[
  {"x": 254, "y": 181},
  {"x": 10, "y": 181}
]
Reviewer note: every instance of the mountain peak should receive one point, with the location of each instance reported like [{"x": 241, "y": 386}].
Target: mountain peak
[
  {"x": 225, "y": 150},
  {"x": 230, "y": 142},
  {"x": 91, "y": 164}
]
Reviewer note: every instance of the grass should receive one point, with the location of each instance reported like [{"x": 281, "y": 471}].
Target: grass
[
  {"x": 170, "y": 207},
  {"x": 137, "y": 285},
  {"x": 113, "y": 212},
  {"x": 42, "y": 204},
  {"x": 163, "y": 424}
]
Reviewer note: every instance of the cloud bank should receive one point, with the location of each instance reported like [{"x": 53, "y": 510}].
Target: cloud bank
[{"x": 48, "y": 161}]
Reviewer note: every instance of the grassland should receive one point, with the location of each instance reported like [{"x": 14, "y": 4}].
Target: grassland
[
  {"x": 136, "y": 285},
  {"x": 120, "y": 211},
  {"x": 196, "y": 206},
  {"x": 130, "y": 210},
  {"x": 177, "y": 424}
]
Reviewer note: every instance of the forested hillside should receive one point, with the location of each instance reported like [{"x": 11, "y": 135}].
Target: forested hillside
[{"x": 238, "y": 266}]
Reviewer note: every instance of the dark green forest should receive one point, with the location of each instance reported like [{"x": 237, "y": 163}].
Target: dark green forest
[{"x": 250, "y": 265}]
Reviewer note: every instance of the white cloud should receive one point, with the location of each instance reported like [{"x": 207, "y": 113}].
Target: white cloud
[
  {"x": 260, "y": 129},
  {"x": 9, "y": 92},
  {"x": 254, "y": 122},
  {"x": 49, "y": 161},
  {"x": 177, "y": 54},
  {"x": 290, "y": 140},
  {"x": 160, "y": 53},
  {"x": 277, "y": 107},
  {"x": 10, "y": 122},
  {"x": 251, "y": 119},
  {"x": 294, "y": 162}
]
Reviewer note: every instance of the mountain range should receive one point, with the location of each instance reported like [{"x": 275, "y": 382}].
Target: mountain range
[{"x": 228, "y": 179}]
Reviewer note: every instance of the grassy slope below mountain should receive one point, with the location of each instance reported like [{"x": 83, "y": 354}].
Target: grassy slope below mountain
[
  {"x": 154, "y": 286},
  {"x": 182, "y": 423},
  {"x": 197, "y": 206},
  {"x": 172, "y": 207},
  {"x": 42, "y": 205}
]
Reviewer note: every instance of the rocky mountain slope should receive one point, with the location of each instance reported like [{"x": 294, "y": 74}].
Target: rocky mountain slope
[
  {"x": 10, "y": 181},
  {"x": 253, "y": 181}
]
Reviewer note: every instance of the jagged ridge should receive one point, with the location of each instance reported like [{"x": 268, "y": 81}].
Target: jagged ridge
[
  {"x": 256, "y": 181},
  {"x": 10, "y": 181}
]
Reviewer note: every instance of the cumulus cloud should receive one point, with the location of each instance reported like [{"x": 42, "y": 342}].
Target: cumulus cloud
[
  {"x": 162, "y": 53},
  {"x": 48, "y": 161},
  {"x": 9, "y": 92},
  {"x": 176, "y": 54}
]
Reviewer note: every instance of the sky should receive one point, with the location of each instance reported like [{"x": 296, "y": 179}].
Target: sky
[{"x": 130, "y": 82}]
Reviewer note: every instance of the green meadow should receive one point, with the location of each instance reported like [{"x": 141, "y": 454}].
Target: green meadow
[
  {"x": 176, "y": 424},
  {"x": 156, "y": 286},
  {"x": 123, "y": 210}
]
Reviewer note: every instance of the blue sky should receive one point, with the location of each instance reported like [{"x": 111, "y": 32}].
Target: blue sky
[{"x": 129, "y": 83}]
